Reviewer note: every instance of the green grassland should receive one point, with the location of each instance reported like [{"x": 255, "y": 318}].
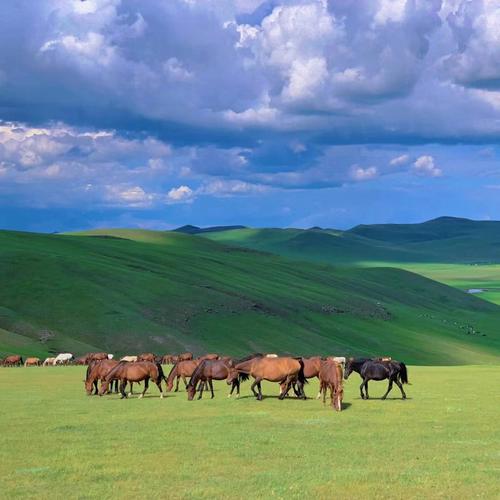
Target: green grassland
[
  {"x": 443, "y": 442},
  {"x": 126, "y": 291}
]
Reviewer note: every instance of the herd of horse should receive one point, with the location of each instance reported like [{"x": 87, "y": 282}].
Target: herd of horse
[{"x": 197, "y": 374}]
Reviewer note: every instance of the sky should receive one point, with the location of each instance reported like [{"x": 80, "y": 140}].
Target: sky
[{"x": 297, "y": 113}]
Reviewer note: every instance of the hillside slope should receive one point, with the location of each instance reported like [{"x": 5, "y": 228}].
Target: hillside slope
[{"x": 128, "y": 291}]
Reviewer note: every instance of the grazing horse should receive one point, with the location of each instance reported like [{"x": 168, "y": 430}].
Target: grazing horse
[
  {"x": 32, "y": 362},
  {"x": 330, "y": 377},
  {"x": 13, "y": 360},
  {"x": 48, "y": 362},
  {"x": 311, "y": 370},
  {"x": 97, "y": 370},
  {"x": 129, "y": 359},
  {"x": 167, "y": 359},
  {"x": 370, "y": 369},
  {"x": 63, "y": 359},
  {"x": 207, "y": 371},
  {"x": 186, "y": 356},
  {"x": 284, "y": 370},
  {"x": 134, "y": 372},
  {"x": 147, "y": 356},
  {"x": 181, "y": 369},
  {"x": 81, "y": 360}
]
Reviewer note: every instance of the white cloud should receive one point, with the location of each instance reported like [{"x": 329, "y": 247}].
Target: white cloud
[
  {"x": 425, "y": 166},
  {"x": 400, "y": 160},
  {"x": 181, "y": 194},
  {"x": 176, "y": 71},
  {"x": 223, "y": 188},
  {"x": 132, "y": 196},
  {"x": 363, "y": 174}
]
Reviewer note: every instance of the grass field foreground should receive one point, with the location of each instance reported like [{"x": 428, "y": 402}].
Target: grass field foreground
[{"x": 443, "y": 441}]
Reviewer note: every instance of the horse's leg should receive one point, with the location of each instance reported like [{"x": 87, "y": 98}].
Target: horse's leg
[
  {"x": 287, "y": 388},
  {"x": 177, "y": 383},
  {"x": 252, "y": 387},
  {"x": 366, "y": 389},
  {"x": 259, "y": 388},
  {"x": 158, "y": 384},
  {"x": 400, "y": 385},
  {"x": 361, "y": 389},
  {"x": 185, "y": 382},
  {"x": 389, "y": 387},
  {"x": 123, "y": 384},
  {"x": 201, "y": 389},
  {"x": 146, "y": 385},
  {"x": 131, "y": 389},
  {"x": 96, "y": 390},
  {"x": 210, "y": 383}
]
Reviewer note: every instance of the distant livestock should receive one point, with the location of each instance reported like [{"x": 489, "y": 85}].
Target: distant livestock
[
  {"x": 13, "y": 360},
  {"x": 63, "y": 358},
  {"x": 32, "y": 362},
  {"x": 147, "y": 356},
  {"x": 129, "y": 359},
  {"x": 48, "y": 362}
]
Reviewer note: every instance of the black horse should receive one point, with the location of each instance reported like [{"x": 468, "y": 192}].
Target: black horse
[{"x": 370, "y": 369}]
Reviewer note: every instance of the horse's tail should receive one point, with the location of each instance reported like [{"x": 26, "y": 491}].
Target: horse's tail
[
  {"x": 403, "y": 374},
  {"x": 161, "y": 374},
  {"x": 242, "y": 377},
  {"x": 301, "y": 377},
  {"x": 197, "y": 374},
  {"x": 171, "y": 377}
]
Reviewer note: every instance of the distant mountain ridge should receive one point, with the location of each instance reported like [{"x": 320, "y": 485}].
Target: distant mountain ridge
[{"x": 190, "y": 229}]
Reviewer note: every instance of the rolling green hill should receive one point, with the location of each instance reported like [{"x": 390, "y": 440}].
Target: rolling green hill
[{"x": 129, "y": 290}]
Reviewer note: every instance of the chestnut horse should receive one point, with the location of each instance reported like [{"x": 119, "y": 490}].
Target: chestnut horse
[
  {"x": 284, "y": 370},
  {"x": 97, "y": 370},
  {"x": 96, "y": 356},
  {"x": 181, "y": 369},
  {"x": 207, "y": 371},
  {"x": 134, "y": 372},
  {"x": 32, "y": 362},
  {"x": 13, "y": 360},
  {"x": 147, "y": 356},
  {"x": 330, "y": 377},
  {"x": 186, "y": 356}
]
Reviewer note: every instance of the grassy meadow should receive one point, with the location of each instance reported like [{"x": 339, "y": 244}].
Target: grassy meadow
[{"x": 442, "y": 442}]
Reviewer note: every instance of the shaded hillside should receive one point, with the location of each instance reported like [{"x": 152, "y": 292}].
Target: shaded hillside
[{"x": 128, "y": 291}]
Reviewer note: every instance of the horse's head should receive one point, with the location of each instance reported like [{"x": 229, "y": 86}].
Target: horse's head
[
  {"x": 88, "y": 386},
  {"x": 191, "y": 390},
  {"x": 348, "y": 367}
]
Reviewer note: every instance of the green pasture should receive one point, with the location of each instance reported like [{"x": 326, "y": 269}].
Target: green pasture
[{"x": 443, "y": 442}]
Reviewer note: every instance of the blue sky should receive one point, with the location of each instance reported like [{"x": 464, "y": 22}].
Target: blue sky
[{"x": 155, "y": 114}]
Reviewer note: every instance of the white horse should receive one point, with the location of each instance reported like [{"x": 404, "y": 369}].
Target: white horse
[
  {"x": 48, "y": 361},
  {"x": 130, "y": 359},
  {"x": 63, "y": 359}
]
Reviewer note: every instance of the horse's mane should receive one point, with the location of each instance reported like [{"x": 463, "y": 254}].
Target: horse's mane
[
  {"x": 172, "y": 374},
  {"x": 197, "y": 374},
  {"x": 249, "y": 357}
]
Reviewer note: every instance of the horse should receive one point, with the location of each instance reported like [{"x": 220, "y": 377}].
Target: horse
[
  {"x": 330, "y": 377},
  {"x": 97, "y": 370},
  {"x": 147, "y": 356},
  {"x": 181, "y": 369},
  {"x": 96, "y": 356},
  {"x": 63, "y": 359},
  {"x": 186, "y": 356},
  {"x": 129, "y": 359},
  {"x": 370, "y": 369},
  {"x": 81, "y": 360},
  {"x": 209, "y": 357},
  {"x": 13, "y": 360},
  {"x": 207, "y": 371},
  {"x": 311, "y": 370},
  {"x": 284, "y": 370},
  {"x": 32, "y": 362},
  {"x": 134, "y": 372},
  {"x": 48, "y": 362},
  {"x": 167, "y": 359}
]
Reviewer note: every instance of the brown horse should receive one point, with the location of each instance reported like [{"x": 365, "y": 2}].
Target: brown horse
[
  {"x": 32, "y": 362},
  {"x": 186, "y": 356},
  {"x": 167, "y": 359},
  {"x": 284, "y": 370},
  {"x": 207, "y": 371},
  {"x": 209, "y": 357},
  {"x": 181, "y": 369},
  {"x": 146, "y": 356},
  {"x": 330, "y": 377},
  {"x": 13, "y": 360},
  {"x": 81, "y": 360},
  {"x": 97, "y": 370},
  {"x": 134, "y": 372},
  {"x": 96, "y": 356}
]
